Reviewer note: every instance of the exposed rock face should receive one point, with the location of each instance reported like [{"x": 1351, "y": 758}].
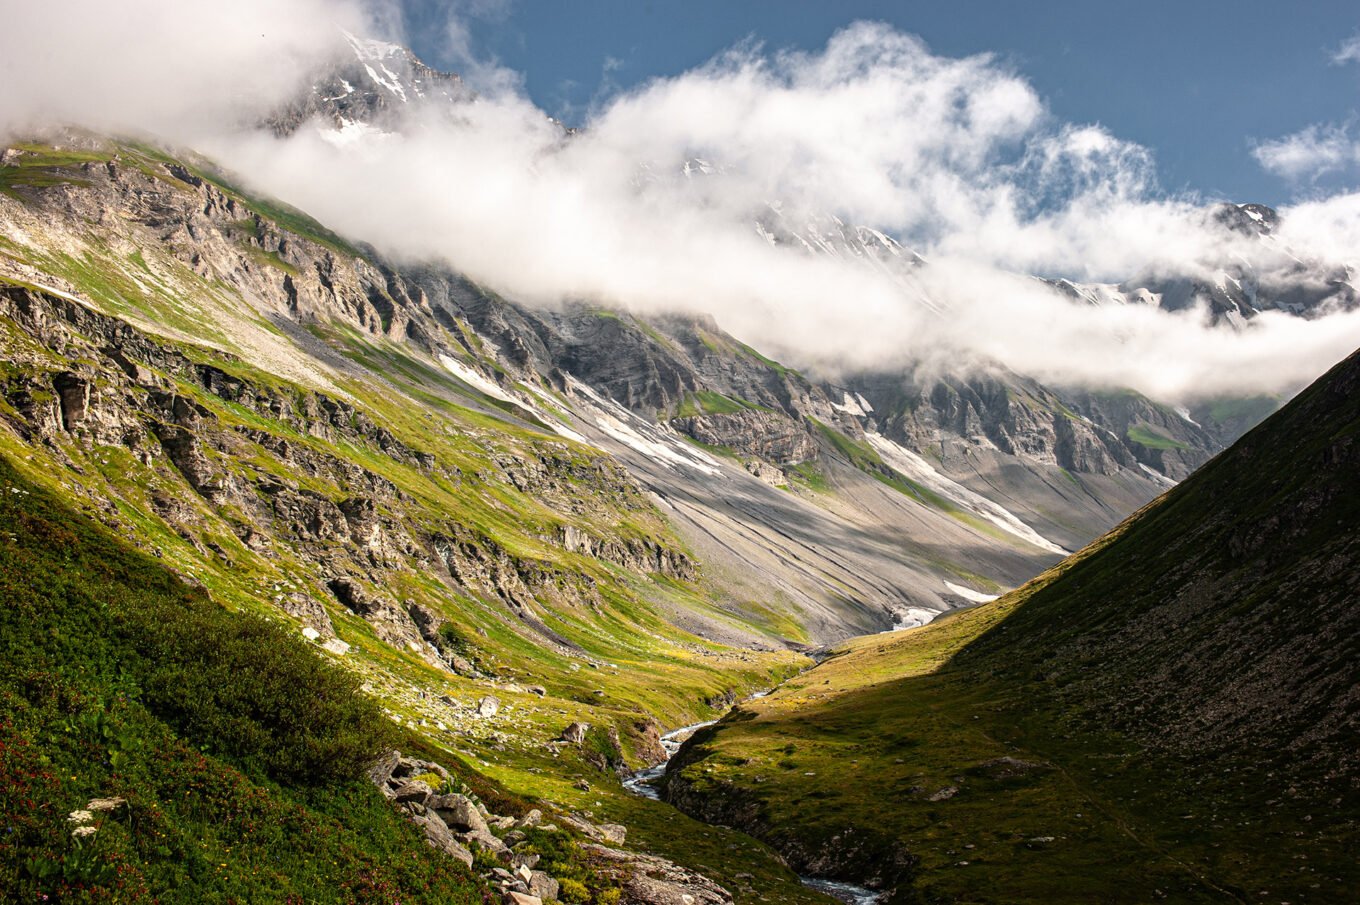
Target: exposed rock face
[
  {"x": 1239, "y": 291},
  {"x": 638, "y": 554},
  {"x": 134, "y": 393},
  {"x": 1080, "y": 431},
  {"x": 649, "y": 880},
  {"x": 775, "y": 438}
]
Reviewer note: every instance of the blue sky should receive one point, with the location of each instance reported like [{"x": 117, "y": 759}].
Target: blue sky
[{"x": 1197, "y": 82}]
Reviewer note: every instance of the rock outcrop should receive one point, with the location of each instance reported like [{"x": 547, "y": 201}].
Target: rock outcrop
[{"x": 458, "y": 825}]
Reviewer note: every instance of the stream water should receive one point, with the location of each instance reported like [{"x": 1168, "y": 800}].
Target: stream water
[
  {"x": 843, "y": 892},
  {"x": 644, "y": 783}
]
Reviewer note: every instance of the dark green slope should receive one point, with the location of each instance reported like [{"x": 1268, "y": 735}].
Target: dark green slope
[
  {"x": 1227, "y": 613},
  {"x": 239, "y": 753},
  {"x": 1168, "y": 715}
]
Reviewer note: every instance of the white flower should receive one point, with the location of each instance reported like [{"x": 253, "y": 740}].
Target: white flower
[
  {"x": 84, "y": 831},
  {"x": 81, "y": 816}
]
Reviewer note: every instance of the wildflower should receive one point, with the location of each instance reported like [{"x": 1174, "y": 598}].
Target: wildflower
[
  {"x": 80, "y": 816},
  {"x": 84, "y": 830}
]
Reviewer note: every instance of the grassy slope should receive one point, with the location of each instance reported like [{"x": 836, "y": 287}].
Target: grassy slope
[
  {"x": 114, "y": 681},
  {"x": 1184, "y": 689}
]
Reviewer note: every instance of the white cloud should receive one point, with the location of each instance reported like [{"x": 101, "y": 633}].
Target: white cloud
[
  {"x": 1311, "y": 152},
  {"x": 163, "y": 66},
  {"x": 1348, "y": 52},
  {"x": 959, "y": 157}
]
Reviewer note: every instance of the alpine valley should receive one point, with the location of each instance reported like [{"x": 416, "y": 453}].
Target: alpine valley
[{"x": 333, "y": 575}]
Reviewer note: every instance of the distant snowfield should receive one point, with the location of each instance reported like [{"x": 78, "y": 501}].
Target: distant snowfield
[
  {"x": 969, "y": 593},
  {"x": 853, "y": 405},
  {"x": 657, "y": 442},
  {"x": 352, "y": 132},
  {"x": 919, "y": 470},
  {"x": 483, "y": 385}
]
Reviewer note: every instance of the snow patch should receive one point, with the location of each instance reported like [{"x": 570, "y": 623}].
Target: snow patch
[
  {"x": 850, "y": 406},
  {"x": 475, "y": 379},
  {"x": 369, "y": 50},
  {"x": 1185, "y": 413},
  {"x": 657, "y": 442},
  {"x": 912, "y": 617},
  {"x": 1157, "y": 476},
  {"x": 919, "y": 470},
  {"x": 482, "y": 384},
  {"x": 969, "y": 593},
  {"x": 352, "y": 132}
]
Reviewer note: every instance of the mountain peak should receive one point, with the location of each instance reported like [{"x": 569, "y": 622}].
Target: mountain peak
[{"x": 369, "y": 86}]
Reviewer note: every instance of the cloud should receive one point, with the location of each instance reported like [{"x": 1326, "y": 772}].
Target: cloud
[
  {"x": 1348, "y": 52},
  {"x": 165, "y": 67},
  {"x": 959, "y": 157},
  {"x": 459, "y": 49},
  {"x": 1321, "y": 149},
  {"x": 1311, "y": 153}
]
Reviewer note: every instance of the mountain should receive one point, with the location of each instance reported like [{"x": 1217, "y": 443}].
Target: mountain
[
  {"x": 1066, "y": 463},
  {"x": 291, "y": 430},
  {"x": 1273, "y": 279},
  {"x": 369, "y": 86},
  {"x": 1169, "y": 714},
  {"x": 529, "y": 537}
]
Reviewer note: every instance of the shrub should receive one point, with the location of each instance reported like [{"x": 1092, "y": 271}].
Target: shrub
[
  {"x": 573, "y": 891},
  {"x": 252, "y": 691}
]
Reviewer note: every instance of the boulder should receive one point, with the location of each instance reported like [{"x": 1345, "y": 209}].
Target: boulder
[
  {"x": 485, "y": 840},
  {"x": 543, "y": 886},
  {"x": 488, "y": 706},
  {"x": 412, "y": 790},
  {"x": 459, "y": 813},
  {"x": 380, "y": 774},
  {"x": 439, "y": 836}
]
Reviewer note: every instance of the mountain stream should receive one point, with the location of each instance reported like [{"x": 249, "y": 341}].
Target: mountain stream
[{"x": 644, "y": 783}]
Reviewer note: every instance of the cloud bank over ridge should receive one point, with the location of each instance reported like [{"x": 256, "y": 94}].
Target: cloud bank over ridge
[{"x": 959, "y": 158}]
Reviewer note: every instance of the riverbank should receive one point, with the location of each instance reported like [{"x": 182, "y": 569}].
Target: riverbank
[{"x": 646, "y": 783}]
